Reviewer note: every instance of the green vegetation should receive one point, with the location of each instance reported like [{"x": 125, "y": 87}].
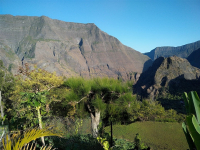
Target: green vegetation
[
  {"x": 95, "y": 42},
  {"x": 10, "y": 67},
  {"x": 100, "y": 96},
  {"x": 22, "y": 142},
  {"x": 7, "y": 84},
  {"x": 191, "y": 126},
  {"x": 157, "y": 135},
  {"x": 83, "y": 142},
  {"x": 35, "y": 84},
  {"x": 47, "y": 40},
  {"x": 87, "y": 142},
  {"x": 79, "y": 106}
]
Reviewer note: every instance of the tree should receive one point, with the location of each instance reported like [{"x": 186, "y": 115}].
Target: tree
[
  {"x": 33, "y": 87},
  {"x": 6, "y": 87},
  {"x": 97, "y": 94}
]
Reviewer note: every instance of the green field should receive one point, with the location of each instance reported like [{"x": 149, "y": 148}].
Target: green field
[{"x": 157, "y": 135}]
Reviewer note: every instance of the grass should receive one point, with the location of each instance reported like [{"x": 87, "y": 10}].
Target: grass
[{"x": 157, "y": 135}]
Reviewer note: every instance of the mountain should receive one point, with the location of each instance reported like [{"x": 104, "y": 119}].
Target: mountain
[
  {"x": 67, "y": 48},
  {"x": 180, "y": 51},
  {"x": 193, "y": 58},
  {"x": 172, "y": 75}
]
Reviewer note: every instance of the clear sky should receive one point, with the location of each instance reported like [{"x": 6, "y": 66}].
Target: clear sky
[{"x": 139, "y": 24}]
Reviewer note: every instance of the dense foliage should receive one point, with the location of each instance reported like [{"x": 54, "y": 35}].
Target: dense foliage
[
  {"x": 76, "y": 97},
  {"x": 191, "y": 126},
  {"x": 6, "y": 87},
  {"x": 37, "y": 97}
]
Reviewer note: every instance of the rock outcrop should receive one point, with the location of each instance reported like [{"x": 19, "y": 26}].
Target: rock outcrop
[
  {"x": 68, "y": 48},
  {"x": 194, "y": 58},
  {"x": 180, "y": 51},
  {"x": 172, "y": 74}
]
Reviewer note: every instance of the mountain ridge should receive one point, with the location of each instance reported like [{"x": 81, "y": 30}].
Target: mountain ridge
[
  {"x": 67, "y": 48},
  {"x": 166, "y": 51},
  {"x": 193, "y": 58}
]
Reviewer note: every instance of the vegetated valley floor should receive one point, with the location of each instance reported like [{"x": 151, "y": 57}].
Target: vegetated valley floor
[{"x": 157, "y": 135}]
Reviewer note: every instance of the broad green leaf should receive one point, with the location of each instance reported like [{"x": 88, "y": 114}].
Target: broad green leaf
[
  {"x": 43, "y": 100},
  {"x": 24, "y": 101},
  {"x": 22, "y": 93},
  {"x": 188, "y": 136},
  {"x": 191, "y": 104},
  {"x": 196, "y": 103},
  {"x": 36, "y": 104},
  {"x": 185, "y": 98},
  {"x": 196, "y": 124},
  {"x": 192, "y": 123}
]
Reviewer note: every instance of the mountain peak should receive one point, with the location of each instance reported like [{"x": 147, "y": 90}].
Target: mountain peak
[
  {"x": 67, "y": 48},
  {"x": 168, "y": 73}
]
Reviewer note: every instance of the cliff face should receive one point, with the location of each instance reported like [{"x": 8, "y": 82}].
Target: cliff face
[
  {"x": 194, "y": 58},
  {"x": 173, "y": 74},
  {"x": 180, "y": 51},
  {"x": 67, "y": 48}
]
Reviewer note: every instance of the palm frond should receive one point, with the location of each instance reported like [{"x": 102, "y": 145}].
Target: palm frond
[{"x": 22, "y": 142}]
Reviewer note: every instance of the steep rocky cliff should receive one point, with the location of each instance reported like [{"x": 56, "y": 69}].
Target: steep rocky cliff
[
  {"x": 67, "y": 48},
  {"x": 173, "y": 75},
  {"x": 180, "y": 51},
  {"x": 194, "y": 58}
]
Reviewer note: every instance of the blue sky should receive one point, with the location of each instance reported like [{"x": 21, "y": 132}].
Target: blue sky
[{"x": 139, "y": 24}]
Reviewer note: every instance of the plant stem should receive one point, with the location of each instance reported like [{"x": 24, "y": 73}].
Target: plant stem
[{"x": 40, "y": 123}]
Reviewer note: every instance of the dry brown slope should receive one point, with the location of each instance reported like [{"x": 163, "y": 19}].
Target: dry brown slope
[{"x": 67, "y": 48}]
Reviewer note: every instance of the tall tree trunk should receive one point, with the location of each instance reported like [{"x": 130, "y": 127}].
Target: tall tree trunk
[
  {"x": 40, "y": 123},
  {"x": 95, "y": 119},
  {"x": 2, "y": 114}
]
